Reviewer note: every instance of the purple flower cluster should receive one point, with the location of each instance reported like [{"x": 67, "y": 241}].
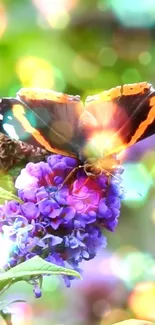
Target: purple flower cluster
[{"x": 62, "y": 224}]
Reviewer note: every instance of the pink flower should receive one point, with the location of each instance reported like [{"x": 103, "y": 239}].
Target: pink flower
[{"x": 85, "y": 195}]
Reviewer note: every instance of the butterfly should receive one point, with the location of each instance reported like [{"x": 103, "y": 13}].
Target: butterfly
[{"x": 94, "y": 132}]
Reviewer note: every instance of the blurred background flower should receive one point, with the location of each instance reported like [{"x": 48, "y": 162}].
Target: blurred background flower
[{"x": 83, "y": 47}]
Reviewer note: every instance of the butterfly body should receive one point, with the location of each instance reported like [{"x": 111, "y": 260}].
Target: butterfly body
[{"x": 93, "y": 132}]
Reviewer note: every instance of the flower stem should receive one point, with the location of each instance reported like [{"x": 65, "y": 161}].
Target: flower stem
[{"x": 6, "y": 317}]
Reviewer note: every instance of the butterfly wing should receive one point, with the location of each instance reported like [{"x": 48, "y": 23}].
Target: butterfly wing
[
  {"x": 116, "y": 119},
  {"x": 44, "y": 118},
  {"x": 111, "y": 121}
]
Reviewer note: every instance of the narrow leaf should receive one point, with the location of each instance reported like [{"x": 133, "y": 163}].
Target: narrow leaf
[
  {"x": 7, "y": 183},
  {"x": 7, "y": 195}
]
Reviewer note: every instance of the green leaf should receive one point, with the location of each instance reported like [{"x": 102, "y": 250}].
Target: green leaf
[
  {"x": 31, "y": 268},
  {"x": 7, "y": 183},
  {"x": 7, "y": 195},
  {"x": 6, "y": 317},
  {"x": 15, "y": 170}
]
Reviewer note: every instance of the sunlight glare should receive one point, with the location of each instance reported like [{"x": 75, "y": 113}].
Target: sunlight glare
[
  {"x": 103, "y": 143},
  {"x": 6, "y": 245},
  {"x": 56, "y": 12}
]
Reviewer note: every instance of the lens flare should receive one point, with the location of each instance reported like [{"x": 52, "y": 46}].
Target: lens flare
[{"x": 102, "y": 143}]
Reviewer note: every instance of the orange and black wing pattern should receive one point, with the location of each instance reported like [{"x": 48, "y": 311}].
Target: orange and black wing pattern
[
  {"x": 44, "y": 118},
  {"x": 118, "y": 118},
  {"x": 108, "y": 123}
]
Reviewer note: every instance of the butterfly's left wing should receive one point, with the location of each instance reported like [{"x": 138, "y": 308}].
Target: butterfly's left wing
[
  {"x": 44, "y": 118},
  {"x": 118, "y": 118}
]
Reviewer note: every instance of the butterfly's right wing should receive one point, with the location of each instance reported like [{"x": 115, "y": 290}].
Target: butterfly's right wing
[{"x": 118, "y": 118}]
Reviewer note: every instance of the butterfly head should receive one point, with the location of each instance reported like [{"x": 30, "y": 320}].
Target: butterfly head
[{"x": 106, "y": 165}]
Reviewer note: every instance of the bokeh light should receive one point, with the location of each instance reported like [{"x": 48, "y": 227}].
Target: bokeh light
[
  {"x": 3, "y": 19},
  {"x": 84, "y": 69},
  {"x": 142, "y": 301},
  {"x": 35, "y": 72},
  {"x": 107, "y": 57},
  {"x": 21, "y": 314},
  {"x": 86, "y": 47},
  {"x": 129, "y": 45},
  {"x": 55, "y": 12},
  {"x": 145, "y": 58},
  {"x": 136, "y": 182},
  {"x": 139, "y": 13},
  {"x": 133, "y": 267}
]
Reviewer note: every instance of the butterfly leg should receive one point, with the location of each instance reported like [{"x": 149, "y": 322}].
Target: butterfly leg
[{"x": 70, "y": 176}]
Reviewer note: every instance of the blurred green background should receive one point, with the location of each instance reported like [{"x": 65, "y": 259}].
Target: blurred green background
[{"x": 83, "y": 47}]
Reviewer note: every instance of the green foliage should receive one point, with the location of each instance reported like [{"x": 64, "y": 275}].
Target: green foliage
[
  {"x": 8, "y": 196},
  {"x": 34, "y": 267},
  {"x": 89, "y": 53}
]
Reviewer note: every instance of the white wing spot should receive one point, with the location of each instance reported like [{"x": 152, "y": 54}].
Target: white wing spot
[{"x": 10, "y": 131}]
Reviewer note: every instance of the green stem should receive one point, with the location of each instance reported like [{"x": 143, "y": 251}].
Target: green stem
[{"x": 6, "y": 317}]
